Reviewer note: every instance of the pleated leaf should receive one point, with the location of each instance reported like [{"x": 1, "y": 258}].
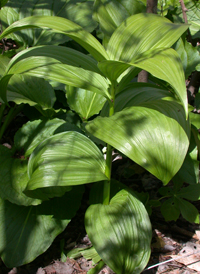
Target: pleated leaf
[
  {"x": 139, "y": 33},
  {"x": 65, "y": 159},
  {"x": 164, "y": 64},
  {"x": 167, "y": 65},
  {"x": 31, "y": 134},
  {"x": 28, "y": 231},
  {"x": 64, "y": 26},
  {"x": 30, "y": 90},
  {"x": 155, "y": 135},
  {"x": 84, "y": 102},
  {"x": 135, "y": 94},
  {"x": 121, "y": 233},
  {"x": 63, "y": 55},
  {"x": 110, "y": 14},
  {"x": 52, "y": 69},
  {"x": 77, "y": 11}
]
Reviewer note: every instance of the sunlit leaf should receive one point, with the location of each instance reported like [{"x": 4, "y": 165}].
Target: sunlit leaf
[
  {"x": 64, "y": 26},
  {"x": 166, "y": 65},
  {"x": 155, "y": 135},
  {"x": 139, "y": 33},
  {"x": 53, "y": 69},
  {"x": 65, "y": 159},
  {"x": 120, "y": 232}
]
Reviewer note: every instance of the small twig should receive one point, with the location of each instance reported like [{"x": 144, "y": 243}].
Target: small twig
[
  {"x": 170, "y": 260},
  {"x": 184, "y": 10}
]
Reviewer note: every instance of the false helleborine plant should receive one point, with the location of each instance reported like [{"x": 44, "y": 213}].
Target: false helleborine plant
[{"x": 146, "y": 122}]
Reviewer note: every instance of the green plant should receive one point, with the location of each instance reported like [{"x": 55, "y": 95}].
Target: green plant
[{"x": 146, "y": 122}]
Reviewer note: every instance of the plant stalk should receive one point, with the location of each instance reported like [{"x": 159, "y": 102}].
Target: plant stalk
[{"x": 106, "y": 189}]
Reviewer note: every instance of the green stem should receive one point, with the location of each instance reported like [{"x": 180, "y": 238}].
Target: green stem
[
  {"x": 106, "y": 189},
  {"x": 10, "y": 116}
]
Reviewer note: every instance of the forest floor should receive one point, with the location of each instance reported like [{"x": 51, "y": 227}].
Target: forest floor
[{"x": 175, "y": 245}]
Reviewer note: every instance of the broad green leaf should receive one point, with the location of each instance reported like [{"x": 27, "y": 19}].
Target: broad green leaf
[
  {"x": 110, "y": 14},
  {"x": 191, "y": 192},
  {"x": 120, "y": 232},
  {"x": 155, "y": 135},
  {"x": 30, "y": 90},
  {"x": 64, "y": 26},
  {"x": 84, "y": 102},
  {"x": 188, "y": 211},
  {"x": 50, "y": 68},
  {"x": 65, "y": 159},
  {"x": 193, "y": 17},
  {"x": 170, "y": 210},
  {"x": 63, "y": 55},
  {"x": 33, "y": 133},
  {"x": 25, "y": 89},
  {"x": 113, "y": 69},
  {"x": 26, "y": 232},
  {"x": 77, "y": 11},
  {"x": 134, "y": 94},
  {"x": 139, "y": 33},
  {"x": 189, "y": 171},
  {"x": 189, "y": 55},
  {"x": 14, "y": 178},
  {"x": 166, "y": 65}
]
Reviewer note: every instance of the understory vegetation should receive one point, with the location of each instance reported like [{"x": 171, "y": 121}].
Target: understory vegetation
[{"x": 70, "y": 70}]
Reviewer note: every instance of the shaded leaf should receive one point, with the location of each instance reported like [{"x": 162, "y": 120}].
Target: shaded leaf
[
  {"x": 170, "y": 210},
  {"x": 189, "y": 171},
  {"x": 155, "y": 135},
  {"x": 120, "y": 232},
  {"x": 75, "y": 10},
  {"x": 188, "y": 211},
  {"x": 189, "y": 56},
  {"x": 14, "y": 178},
  {"x": 84, "y": 102},
  {"x": 26, "y": 232},
  {"x": 2, "y": 3},
  {"x": 193, "y": 17},
  {"x": 34, "y": 132},
  {"x": 110, "y": 14},
  {"x": 30, "y": 90},
  {"x": 65, "y": 159},
  {"x": 191, "y": 192},
  {"x": 134, "y": 94}
]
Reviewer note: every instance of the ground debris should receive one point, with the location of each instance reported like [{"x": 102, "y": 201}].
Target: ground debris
[{"x": 58, "y": 267}]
